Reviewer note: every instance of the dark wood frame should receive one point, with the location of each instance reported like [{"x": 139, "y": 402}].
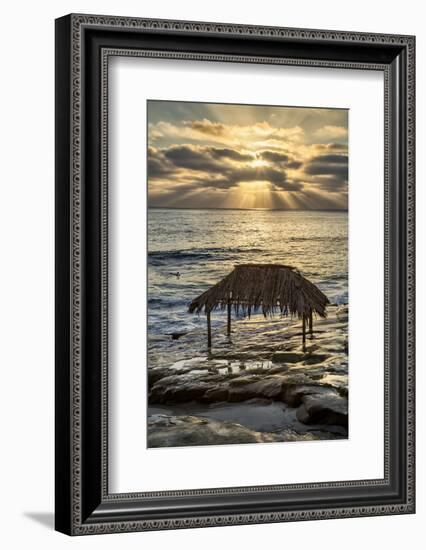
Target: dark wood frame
[{"x": 83, "y": 46}]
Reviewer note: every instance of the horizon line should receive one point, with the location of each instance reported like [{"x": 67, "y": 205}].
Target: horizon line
[{"x": 260, "y": 209}]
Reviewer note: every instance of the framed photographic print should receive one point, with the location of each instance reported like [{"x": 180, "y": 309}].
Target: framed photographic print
[{"x": 234, "y": 274}]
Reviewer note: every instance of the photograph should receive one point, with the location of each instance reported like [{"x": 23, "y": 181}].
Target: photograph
[{"x": 248, "y": 300}]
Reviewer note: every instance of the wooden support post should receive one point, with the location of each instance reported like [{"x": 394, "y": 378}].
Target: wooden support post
[
  {"x": 229, "y": 319},
  {"x": 304, "y": 330},
  {"x": 209, "y": 331},
  {"x": 311, "y": 324}
]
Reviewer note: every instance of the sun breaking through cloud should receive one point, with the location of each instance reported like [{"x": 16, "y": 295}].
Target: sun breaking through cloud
[{"x": 242, "y": 156}]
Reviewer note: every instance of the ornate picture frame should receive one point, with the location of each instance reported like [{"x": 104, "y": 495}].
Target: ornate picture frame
[{"x": 84, "y": 44}]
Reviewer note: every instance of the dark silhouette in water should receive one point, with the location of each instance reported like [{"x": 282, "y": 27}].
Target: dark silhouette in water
[{"x": 177, "y": 275}]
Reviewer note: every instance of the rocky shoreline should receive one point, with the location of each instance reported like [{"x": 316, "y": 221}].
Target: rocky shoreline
[{"x": 213, "y": 397}]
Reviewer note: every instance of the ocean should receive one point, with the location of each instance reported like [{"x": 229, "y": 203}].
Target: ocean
[
  {"x": 203, "y": 246},
  {"x": 260, "y": 384}
]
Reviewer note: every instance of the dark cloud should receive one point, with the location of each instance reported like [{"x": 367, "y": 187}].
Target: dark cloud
[
  {"x": 213, "y": 182},
  {"x": 280, "y": 158},
  {"x": 231, "y": 154},
  {"x": 278, "y": 178},
  {"x": 233, "y": 176},
  {"x": 323, "y": 169},
  {"x": 330, "y": 184},
  {"x": 331, "y": 146},
  {"x": 207, "y": 127},
  {"x": 294, "y": 164},
  {"x": 274, "y": 156},
  {"x": 216, "y": 155},
  {"x": 205, "y": 159},
  {"x": 207, "y": 167},
  {"x": 156, "y": 168},
  {"x": 192, "y": 158},
  {"x": 221, "y": 168},
  {"x": 331, "y": 159},
  {"x": 336, "y": 147},
  {"x": 158, "y": 165},
  {"x": 331, "y": 169}
]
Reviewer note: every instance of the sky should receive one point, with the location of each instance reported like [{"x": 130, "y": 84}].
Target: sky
[{"x": 210, "y": 155}]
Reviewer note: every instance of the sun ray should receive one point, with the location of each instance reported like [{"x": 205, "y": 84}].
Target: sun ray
[{"x": 247, "y": 156}]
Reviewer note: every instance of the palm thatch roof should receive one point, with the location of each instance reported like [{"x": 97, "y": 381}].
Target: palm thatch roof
[{"x": 269, "y": 288}]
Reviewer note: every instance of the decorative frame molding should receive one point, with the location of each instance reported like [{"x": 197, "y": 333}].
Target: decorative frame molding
[{"x": 84, "y": 43}]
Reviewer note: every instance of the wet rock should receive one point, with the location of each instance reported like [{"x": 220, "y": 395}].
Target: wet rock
[
  {"x": 324, "y": 407},
  {"x": 215, "y": 395},
  {"x": 346, "y": 345},
  {"x": 343, "y": 391},
  {"x": 243, "y": 380},
  {"x": 311, "y": 381},
  {"x": 287, "y": 357},
  {"x": 153, "y": 338},
  {"x": 291, "y": 435},
  {"x": 268, "y": 388},
  {"x": 279, "y": 369},
  {"x": 206, "y": 385},
  {"x": 295, "y": 378},
  {"x": 180, "y": 431},
  {"x": 342, "y": 313},
  {"x": 177, "y": 335},
  {"x": 293, "y": 394},
  {"x": 178, "y": 389},
  {"x": 187, "y": 364},
  {"x": 172, "y": 431},
  {"x": 314, "y": 358},
  {"x": 242, "y": 393},
  {"x": 156, "y": 374},
  {"x": 336, "y": 381}
]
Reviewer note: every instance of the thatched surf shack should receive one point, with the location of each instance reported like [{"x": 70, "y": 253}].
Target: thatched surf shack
[{"x": 269, "y": 288}]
